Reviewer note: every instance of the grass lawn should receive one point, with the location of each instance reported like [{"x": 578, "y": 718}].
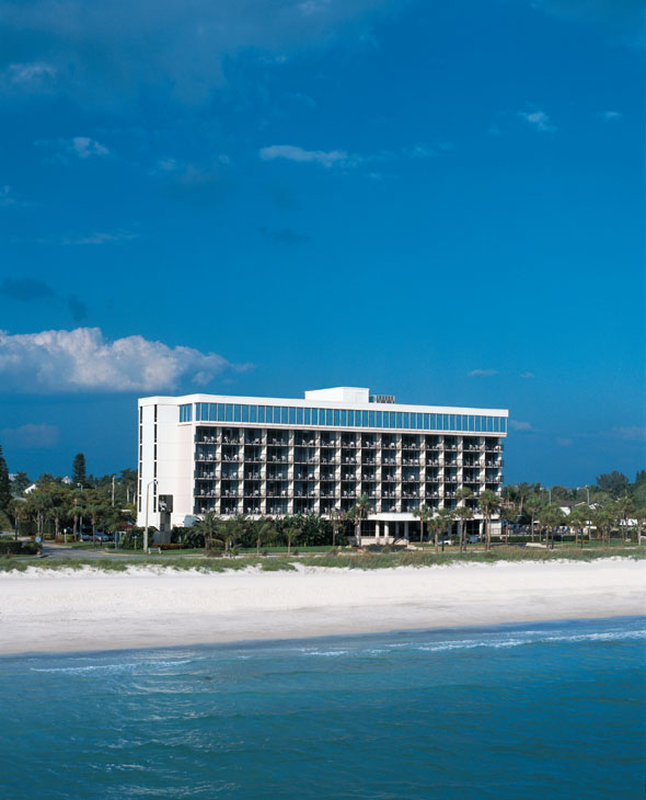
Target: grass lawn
[{"x": 324, "y": 558}]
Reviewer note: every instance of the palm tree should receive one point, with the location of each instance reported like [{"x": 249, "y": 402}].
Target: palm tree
[
  {"x": 96, "y": 507},
  {"x": 293, "y": 529},
  {"x": 229, "y": 531},
  {"x": 337, "y": 520},
  {"x": 522, "y": 490},
  {"x": 640, "y": 517},
  {"x": 446, "y": 517},
  {"x": 604, "y": 518},
  {"x": 463, "y": 513},
  {"x": 358, "y": 513},
  {"x": 508, "y": 514},
  {"x": 424, "y": 514},
  {"x": 435, "y": 525},
  {"x": 578, "y": 519},
  {"x": 533, "y": 505},
  {"x": 625, "y": 509},
  {"x": 39, "y": 503},
  {"x": 265, "y": 532},
  {"x": 551, "y": 517},
  {"x": 488, "y": 503},
  {"x": 209, "y": 527}
]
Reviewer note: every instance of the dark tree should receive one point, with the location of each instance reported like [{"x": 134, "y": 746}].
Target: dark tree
[
  {"x": 5, "y": 485},
  {"x": 78, "y": 470},
  {"x": 614, "y": 482},
  {"x": 20, "y": 482}
]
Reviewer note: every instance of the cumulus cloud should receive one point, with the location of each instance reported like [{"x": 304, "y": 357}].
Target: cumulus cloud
[
  {"x": 482, "y": 373},
  {"x": 107, "y": 54},
  {"x": 325, "y": 158},
  {"x": 82, "y": 360},
  {"x": 538, "y": 120},
  {"x": 32, "y": 436}
]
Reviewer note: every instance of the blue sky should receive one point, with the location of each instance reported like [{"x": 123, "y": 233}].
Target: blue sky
[{"x": 266, "y": 196}]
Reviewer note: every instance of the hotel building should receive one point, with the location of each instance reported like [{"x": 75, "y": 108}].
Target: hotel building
[{"x": 272, "y": 456}]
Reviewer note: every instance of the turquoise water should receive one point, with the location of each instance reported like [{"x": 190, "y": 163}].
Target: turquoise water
[{"x": 550, "y": 710}]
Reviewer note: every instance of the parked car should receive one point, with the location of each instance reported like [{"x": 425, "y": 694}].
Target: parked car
[
  {"x": 473, "y": 539},
  {"x": 99, "y": 536}
]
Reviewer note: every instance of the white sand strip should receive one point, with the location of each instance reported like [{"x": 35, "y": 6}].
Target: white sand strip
[{"x": 90, "y": 610}]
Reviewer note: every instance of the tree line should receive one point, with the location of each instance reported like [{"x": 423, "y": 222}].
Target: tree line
[{"x": 63, "y": 506}]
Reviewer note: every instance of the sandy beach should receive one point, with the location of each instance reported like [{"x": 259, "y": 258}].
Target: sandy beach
[{"x": 88, "y": 610}]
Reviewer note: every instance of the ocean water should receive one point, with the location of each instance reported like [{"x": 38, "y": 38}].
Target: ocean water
[{"x": 550, "y": 710}]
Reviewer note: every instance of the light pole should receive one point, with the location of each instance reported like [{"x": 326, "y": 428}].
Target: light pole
[{"x": 148, "y": 485}]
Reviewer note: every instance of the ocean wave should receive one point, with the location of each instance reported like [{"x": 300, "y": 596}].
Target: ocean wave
[
  {"x": 128, "y": 666},
  {"x": 495, "y": 641}
]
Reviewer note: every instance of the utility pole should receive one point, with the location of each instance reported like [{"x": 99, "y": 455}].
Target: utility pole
[
  {"x": 148, "y": 485},
  {"x": 113, "y": 491}
]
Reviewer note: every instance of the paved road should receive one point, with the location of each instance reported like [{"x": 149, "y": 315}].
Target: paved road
[{"x": 63, "y": 551}]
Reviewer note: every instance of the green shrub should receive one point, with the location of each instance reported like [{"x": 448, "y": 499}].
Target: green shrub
[{"x": 20, "y": 548}]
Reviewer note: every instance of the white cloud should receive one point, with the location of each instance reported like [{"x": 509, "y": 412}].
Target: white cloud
[
  {"x": 527, "y": 374},
  {"x": 32, "y": 76},
  {"x": 611, "y": 116},
  {"x": 564, "y": 441},
  {"x": 82, "y": 360},
  {"x": 341, "y": 158},
  {"x": 538, "y": 120},
  {"x": 32, "y": 436},
  {"x": 482, "y": 373},
  {"x": 517, "y": 425},
  {"x": 326, "y": 158},
  {"x": 100, "y": 238},
  {"x": 634, "y": 433},
  {"x": 84, "y": 147},
  {"x": 78, "y": 147},
  {"x": 105, "y": 54},
  {"x": 6, "y": 196}
]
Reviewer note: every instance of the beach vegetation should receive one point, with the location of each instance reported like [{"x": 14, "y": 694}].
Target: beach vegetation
[{"x": 488, "y": 504}]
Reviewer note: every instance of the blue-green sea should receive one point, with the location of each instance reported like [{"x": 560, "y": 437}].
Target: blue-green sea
[{"x": 549, "y": 710}]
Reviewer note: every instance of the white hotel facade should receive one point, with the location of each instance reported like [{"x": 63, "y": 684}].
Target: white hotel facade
[{"x": 274, "y": 456}]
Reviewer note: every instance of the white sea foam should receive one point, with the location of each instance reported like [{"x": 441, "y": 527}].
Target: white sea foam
[{"x": 127, "y": 666}]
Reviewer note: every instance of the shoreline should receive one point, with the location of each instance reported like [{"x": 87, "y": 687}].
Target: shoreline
[{"x": 84, "y": 611}]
